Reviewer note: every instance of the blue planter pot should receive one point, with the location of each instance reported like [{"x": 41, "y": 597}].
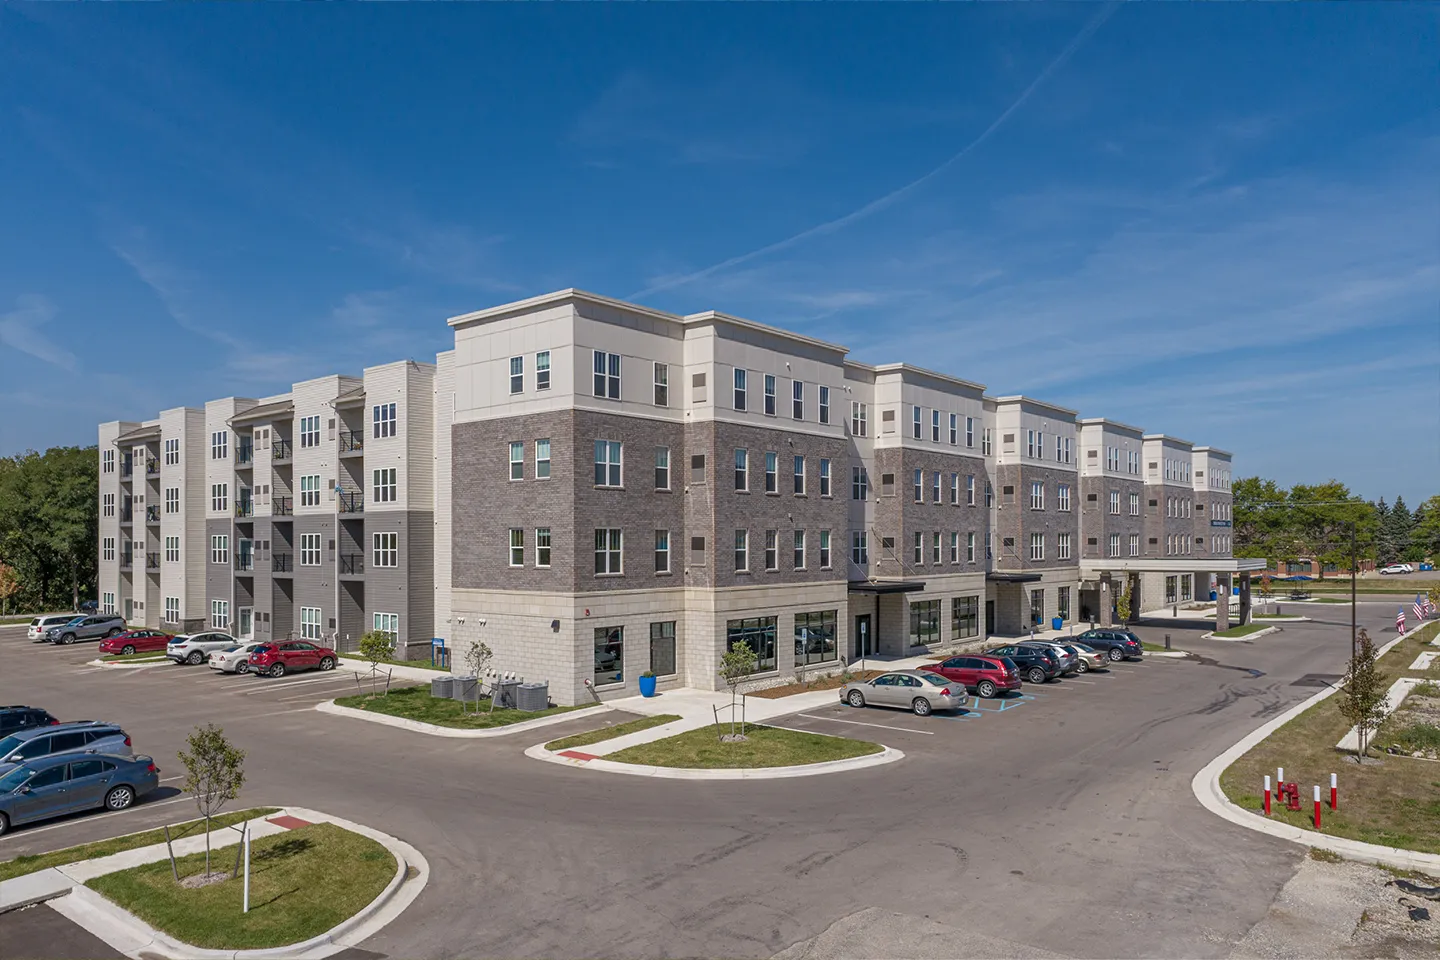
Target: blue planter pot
[{"x": 647, "y": 686}]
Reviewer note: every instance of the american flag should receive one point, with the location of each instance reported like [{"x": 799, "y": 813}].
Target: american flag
[
  {"x": 1400, "y": 621},
  {"x": 1422, "y": 606}
]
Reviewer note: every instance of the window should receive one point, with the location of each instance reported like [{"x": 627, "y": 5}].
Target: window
[
  {"x": 815, "y": 637},
  {"x": 310, "y": 623},
  {"x": 172, "y": 454},
  {"x": 742, "y": 551},
  {"x": 220, "y": 444},
  {"x": 772, "y": 550},
  {"x": 662, "y": 467},
  {"x": 915, "y": 423},
  {"x": 1062, "y": 497},
  {"x": 954, "y": 547},
  {"x": 1037, "y": 495},
  {"x": 172, "y": 549},
  {"x": 965, "y": 617},
  {"x": 542, "y": 546},
  {"x": 1134, "y": 504},
  {"x": 742, "y": 469},
  {"x": 607, "y": 463},
  {"x": 309, "y": 549},
  {"x": 384, "y": 483},
  {"x": 172, "y": 499},
  {"x": 824, "y": 477},
  {"x": 935, "y": 487},
  {"x": 742, "y": 379},
  {"x": 542, "y": 459},
  {"x": 824, "y": 549},
  {"x": 859, "y": 548},
  {"x": 772, "y": 468},
  {"x": 382, "y": 417},
  {"x": 989, "y": 494},
  {"x": 609, "y": 655},
  {"x": 799, "y": 550},
  {"x": 935, "y": 547},
  {"x": 1115, "y": 503},
  {"x": 919, "y": 547},
  {"x": 517, "y": 547},
  {"x": 108, "y": 502},
  {"x": 1114, "y": 545},
  {"x": 172, "y": 608},
  {"x": 107, "y": 458},
  {"x": 970, "y": 547},
  {"x": 220, "y": 614},
  {"x": 859, "y": 483},
  {"x": 769, "y": 395},
  {"x": 1037, "y": 546},
  {"x": 662, "y": 384},
  {"x": 310, "y": 490},
  {"x": 797, "y": 400},
  {"x": 386, "y": 623},
  {"x": 108, "y": 548},
  {"x": 858, "y": 422},
  {"x": 954, "y": 429},
  {"x": 1062, "y": 544},
  {"x": 662, "y": 551},
  {"x": 385, "y": 549},
  {"x": 799, "y": 477},
  {"x": 1170, "y": 585},
  {"x": 824, "y": 404},
  {"x": 517, "y": 375},
  {"x": 219, "y": 497},
  {"x": 1134, "y": 544},
  {"x": 919, "y": 485},
  {"x": 310, "y": 431},
  {"x": 608, "y": 551},
  {"x": 924, "y": 622},
  {"x": 662, "y": 648},
  {"x": 220, "y": 548},
  {"x": 756, "y": 632},
  {"x": 607, "y": 375},
  {"x": 1030, "y": 445},
  {"x": 542, "y": 370},
  {"x": 935, "y": 426}
]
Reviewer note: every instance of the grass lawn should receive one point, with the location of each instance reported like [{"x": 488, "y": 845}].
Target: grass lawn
[
  {"x": 415, "y": 703},
  {"x": 1244, "y": 630},
  {"x": 302, "y": 883},
  {"x": 820, "y": 683},
  {"x": 133, "y": 657},
  {"x": 10, "y": 869},
  {"x": 610, "y": 732},
  {"x": 360, "y": 661},
  {"x": 1395, "y": 802},
  {"x": 767, "y": 747}
]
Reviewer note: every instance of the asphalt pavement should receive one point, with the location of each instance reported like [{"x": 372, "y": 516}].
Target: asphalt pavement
[{"x": 1061, "y": 825}]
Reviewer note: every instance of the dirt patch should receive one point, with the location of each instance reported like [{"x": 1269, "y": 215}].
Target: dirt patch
[
  {"x": 821, "y": 683},
  {"x": 205, "y": 879}
]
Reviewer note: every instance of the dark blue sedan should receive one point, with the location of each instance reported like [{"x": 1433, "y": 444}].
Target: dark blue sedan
[{"x": 55, "y": 786}]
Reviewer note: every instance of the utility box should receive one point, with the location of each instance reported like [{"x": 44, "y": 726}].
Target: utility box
[
  {"x": 441, "y": 687},
  {"x": 506, "y": 693},
  {"x": 532, "y": 696}
]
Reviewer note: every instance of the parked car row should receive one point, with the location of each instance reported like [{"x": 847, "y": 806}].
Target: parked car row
[
  {"x": 266, "y": 658},
  {"x": 1000, "y": 670},
  {"x": 68, "y": 629}
]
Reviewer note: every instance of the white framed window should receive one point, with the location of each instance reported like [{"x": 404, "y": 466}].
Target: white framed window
[
  {"x": 1062, "y": 546},
  {"x": 608, "y": 454},
  {"x": 970, "y": 490},
  {"x": 798, "y": 559},
  {"x": 172, "y": 452},
  {"x": 107, "y": 503},
  {"x": 970, "y": 547},
  {"x": 915, "y": 423},
  {"x": 772, "y": 550},
  {"x": 798, "y": 482},
  {"x": 859, "y": 483},
  {"x": 935, "y": 486},
  {"x": 1134, "y": 544},
  {"x": 542, "y": 370},
  {"x": 859, "y": 548},
  {"x": 172, "y": 549},
  {"x": 1134, "y": 504},
  {"x": 742, "y": 469},
  {"x": 220, "y": 445},
  {"x": 772, "y": 470},
  {"x": 1037, "y": 546},
  {"x": 662, "y": 551},
  {"x": 382, "y": 420},
  {"x": 970, "y": 432},
  {"x": 1114, "y": 545},
  {"x": 384, "y": 484},
  {"x": 797, "y": 400},
  {"x": 542, "y": 459},
  {"x": 954, "y": 489},
  {"x": 1062, "y": 498},
  {"x": 1037, "y": 495},
  {"x": 742, "y": 551},
  {"x": 935, "y": 547},
  {"x": 662, "y": 468},
  {"x": 517, "y": 547},
  {"x": 310, "y": 431},
  {"x": 954, "y": 547},
  {"x": 219, "y": 497},
  {"x": 859, "y": 419},
  {"x": 919, "y": 484},
  {"x": 989, "y": 495},
  {"x": 172, "y": 499},
  {"x": 954, "y": 429},
  {"x": 742, "y": 388},
  {"x": 662, "y": 384},
  {"x": 609, "y": 550},
  {"x": 769, "y": 394},
  {"x": 517, "y": 375},
  {"x": 384, "y": 549},
  {"x": 824, "y": 404},
  {"x": 919, "y": 547},
  {"x": 107, "y": 461},
  {"x": 310, "y": 623},
  {"x": 1115, "y": 503},
  {"x": 309, "y": 549},
  {"x": 987, "y": 441},
  {"x": 386, "y": 623},
  {"x": 1030, "y": 444},
  {"x": 934, "y": 426},
  {"x": 310, "y": 490},
  {"x": 607, "y": 375},
  {"x": 542, "y": 547},
  {"x": 824, "y": 477},
  {"x": 220, "y": 548},
  {"x": 107, "y": 548},
  {"x": 220, "y": 614},
  {"x": 824, "y": 549},
  {"x": 517, "y": 460},
  {"x": 172, "y": 609}
]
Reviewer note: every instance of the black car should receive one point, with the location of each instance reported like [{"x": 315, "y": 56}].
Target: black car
[
  {"x": 1035, "y": 665},
  {"x": 16, "y": 718},
  {"x": 1116, "y": 642}
]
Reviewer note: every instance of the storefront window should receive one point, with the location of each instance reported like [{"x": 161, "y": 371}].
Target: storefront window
[
  {"x": 1185, "y": 583},
  {"x": 609, "y": 655},
  {"x": 814, "y": 637},
  {"x": 1170, "y": 589},
  {"x": 965, "y": 617},
  {"x": 662, "y": 648},
  {"x": 759, "y": 633},
  {"x": 1064, "y": 603},
  {"x": 1037, "y": 607},
  {"x": 924, "y": 622}
]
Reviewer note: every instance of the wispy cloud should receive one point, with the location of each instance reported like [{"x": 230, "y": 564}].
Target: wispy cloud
[{"x": 20, "y": 329}]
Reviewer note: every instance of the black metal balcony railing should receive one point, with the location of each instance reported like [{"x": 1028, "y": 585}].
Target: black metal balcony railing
[
  {"x": 125, "y": 559},
  {"x": 152, "y": 467},
  {"x": 352, "y": 563},
  {"x": 152, "y": 561},
  {"x": 244, "y": 455},
  {"x": 281, "y": 451},
  {"x": 282, "y": 506},
  {"x": 126, "y": 515},
  {"x": 244, "y": 508},
  {"x": 280, "y": 562},
  {"x": 352, "y": 441},
  {"x": 244, "y": 561},
  {"x": 351, "y": 501},
  {"x": 152, "y": 514},
  {"x": 127, "y": 467}
]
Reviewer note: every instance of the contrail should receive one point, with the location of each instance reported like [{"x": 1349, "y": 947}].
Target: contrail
[{"x": 830, "y": 226}]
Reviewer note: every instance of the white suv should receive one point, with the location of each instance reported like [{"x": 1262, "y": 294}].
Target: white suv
[
  {"x": 39, "y": 625},
  {"x": 196, "y": 648},
  {"x": 1397, "y": 568}
]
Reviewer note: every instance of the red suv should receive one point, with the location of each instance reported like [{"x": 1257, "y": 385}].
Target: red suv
[
  {"x": 986, "y": 676},
  {"x": 276, "y": 659},
  {"x": 135, "y": 641}
]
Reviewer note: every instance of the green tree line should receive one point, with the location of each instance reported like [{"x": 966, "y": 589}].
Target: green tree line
[{"x": 49, "y": 521}]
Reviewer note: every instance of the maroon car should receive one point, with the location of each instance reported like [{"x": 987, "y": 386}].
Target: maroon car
[
  {"x": 135, "y": 641},
  {"x": 279, "y": 658},
  {"x": 986, "y": 676}
]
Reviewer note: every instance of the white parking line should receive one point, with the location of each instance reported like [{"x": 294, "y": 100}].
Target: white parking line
[
  {"x": 1073, "y": 680},
  {"x": 861, "y": 723},
  {"x": 168, "y": 779},
  {"x": 31, "y": 831},
  {"x": 273, "y": 686}
]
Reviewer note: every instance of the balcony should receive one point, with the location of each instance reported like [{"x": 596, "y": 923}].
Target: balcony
[
  {"x": 152, "y": 467},
  {"x": 280, "y": 562},
  {"x": 126, "y": 515},
  {"x": 244, "y": 456},
  {"x": 244, "y": 509},
  {"x": 152, "y": 514},
  {"x": 152, "y": 561},
  {"x": 351, "y": 441},
  {"x": 244, "y": 563},
  {"x": 282, "y": 506},
  {"x": 351, "y": 501},
  {"x": 126, "y": 560},
  {"x": 127, "y": 467},
  {"x": 352, "y": 564},
  {"x": 281, "y": 451}
]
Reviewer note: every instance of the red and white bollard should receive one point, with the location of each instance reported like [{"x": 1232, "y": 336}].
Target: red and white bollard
[
  {"x": 1334, "y": 793},
  {"x": 1267, "y": 794},
  {"x": 1317, "y": 806},
  {"x": 1279, "y": 775}
]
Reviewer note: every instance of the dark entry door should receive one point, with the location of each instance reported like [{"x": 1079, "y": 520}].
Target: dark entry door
[
  {"x": 989, "y": 626},
  {"x": 864, "y": 639}
]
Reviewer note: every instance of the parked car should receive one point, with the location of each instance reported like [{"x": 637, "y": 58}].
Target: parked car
[
  {"x": 63, "y": 784},
  {"x": 985, "y": 676},
  {"x": 18, "y": 717},
  {"x": 86, "y": 628},
  {"x": 40, "y": 626},
  {"x": 1397, "y": 568},
  {"x": 234, "y": 659},
  {"x": 279, "y": 658},
  {"x": 80, "y": 736},
  {"x": 914, "y": 690},
  {"x": 90, "y": 606},
  {"x": 1117, "y": 643},
  {"x": 1088, "y": 657},
  {"x": 1069, "y": 663},
  {"x": 135, "y": 641},
  {"x": 193, "y": 648},
  {"x": 1035, "y": 665}
]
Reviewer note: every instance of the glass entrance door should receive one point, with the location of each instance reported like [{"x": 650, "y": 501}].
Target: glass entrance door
[{"x": 244, "y": 624}]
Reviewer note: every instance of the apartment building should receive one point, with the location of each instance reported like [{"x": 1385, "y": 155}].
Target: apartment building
[{"x": 596, "y": 489}]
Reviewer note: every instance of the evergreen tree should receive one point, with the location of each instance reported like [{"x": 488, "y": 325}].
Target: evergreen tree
[
  {"x": 1385, "y": 552},
  {"x": 1401, "y": 523}
]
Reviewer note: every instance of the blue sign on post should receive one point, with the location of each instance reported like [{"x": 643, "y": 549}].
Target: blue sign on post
[{"x": 1219, "y": 523}]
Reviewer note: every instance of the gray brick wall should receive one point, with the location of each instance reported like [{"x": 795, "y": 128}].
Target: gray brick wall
[
  {"x": 1015, "y": 519},
  {"x": 1096, "y": 521},
  {"x": 898, "y": 516}
]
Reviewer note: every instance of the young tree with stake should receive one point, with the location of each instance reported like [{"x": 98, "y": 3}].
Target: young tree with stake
[
  {"x": 1363, "y": 702},
  {"x": 377, "y": 646},
  {"x": 737, "y": 664},
  {"x": 214, "y": 774}
]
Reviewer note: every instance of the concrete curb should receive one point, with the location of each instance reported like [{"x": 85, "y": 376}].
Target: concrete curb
[
  {"x": 1206, "y": 787},
  {"x": 135, "y": 938},
  {"x": 1171, "y": 654},
  {"x": 886, "y": 755},
  {"x": 1249, "y": 636},
  {"x": 415, "y": 726},
  {"x": 127, "y": 666},
  {"x": 1284, "y": 618}
]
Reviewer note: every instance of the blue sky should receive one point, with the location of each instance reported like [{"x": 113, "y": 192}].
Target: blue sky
[{"x": 1216, "y": 221}]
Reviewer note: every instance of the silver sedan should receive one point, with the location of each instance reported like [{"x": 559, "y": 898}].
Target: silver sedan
[
  {"x": 914, "y": 690},
  {"x": 1089, "y": 657},
  {"x": 233, "y": 659}
]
